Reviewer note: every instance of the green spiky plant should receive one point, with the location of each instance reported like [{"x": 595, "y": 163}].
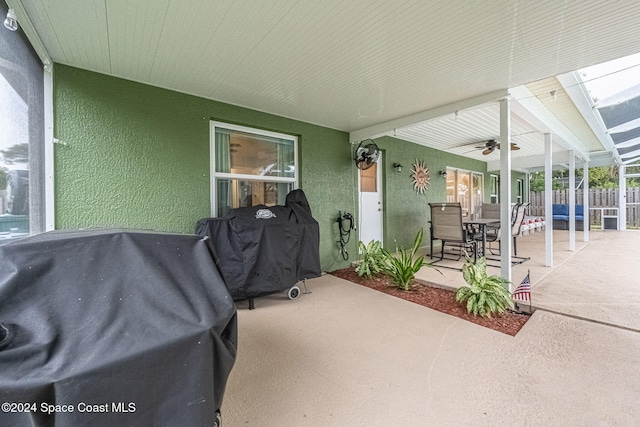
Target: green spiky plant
[
  {"x": 402, "y": 268},
  {"x": 485, "y": 295},
  {"x": 373, "y": 259}
]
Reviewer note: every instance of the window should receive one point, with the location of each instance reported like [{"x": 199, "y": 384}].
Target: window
[
  {"x": 465, "y": 187},
  {"x": 250, "y": 167},
  {"x": 495, "y": 189},
  {"x": 520, "y": 190},
  {"x": 22, "y": 201}
]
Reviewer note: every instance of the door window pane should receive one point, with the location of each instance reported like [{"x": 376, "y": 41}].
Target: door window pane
[{"x": 368, "y": 179}]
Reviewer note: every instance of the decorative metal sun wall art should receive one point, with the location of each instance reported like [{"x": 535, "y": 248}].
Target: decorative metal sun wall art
[{"x": 420, "y": 176}]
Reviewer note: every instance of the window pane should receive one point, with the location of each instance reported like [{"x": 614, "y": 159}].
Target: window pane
[
  {"x": 494, "y": 189},
  {"x": 251, "y": 154},
  {"x": 451, "y": 186},
  {"x": 21, "y": 136},
  {"x": 464, "y": 192},
  {"x": 240, "y": 193},
  {"x": 520, "y": 194},
  {"x": 14, "y": 160},
  {"x": 368, "y": 179},
  {"x": 466, "y": 188},
  {"x": 476, "y": 194}
]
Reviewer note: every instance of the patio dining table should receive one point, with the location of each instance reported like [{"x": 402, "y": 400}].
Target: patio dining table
[{"x": 481, "y": 224}]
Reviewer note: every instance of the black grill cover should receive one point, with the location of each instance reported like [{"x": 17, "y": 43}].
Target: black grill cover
[
  {"x": 137, "y": 327},
  {"x": 262, "y": 250}
]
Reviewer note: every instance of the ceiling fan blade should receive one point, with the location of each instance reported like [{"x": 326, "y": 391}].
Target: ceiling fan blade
[
  {"x": 488, "y": 151},
  {"x": 514, "y": 146}
]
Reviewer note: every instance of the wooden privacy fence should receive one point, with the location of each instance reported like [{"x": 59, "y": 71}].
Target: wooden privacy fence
[{"x": 598, "y": 198}]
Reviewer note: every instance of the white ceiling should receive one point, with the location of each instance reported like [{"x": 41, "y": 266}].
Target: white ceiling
[{"x": 347, "y": 65}]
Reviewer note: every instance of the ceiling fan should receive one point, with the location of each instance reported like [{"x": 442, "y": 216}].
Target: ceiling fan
[{"x": 492, "y": 144}]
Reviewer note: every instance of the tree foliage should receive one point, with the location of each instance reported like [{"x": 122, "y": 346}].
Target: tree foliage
[
  {"x": 599, "y": 177},
  {"x": 18, "y": 153}
]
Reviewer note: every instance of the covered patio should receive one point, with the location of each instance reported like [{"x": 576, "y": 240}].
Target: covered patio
[
  {"x": 596, "y": 281},
  {"x": 349, "y": 355},
  {"x": 130, "y": 91}
]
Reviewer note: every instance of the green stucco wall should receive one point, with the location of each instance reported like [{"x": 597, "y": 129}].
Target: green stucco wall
[
  {"x": 514, "y": 185},
  {"x": 405, "y": 210},
  {"x": 137, "y": 156}
]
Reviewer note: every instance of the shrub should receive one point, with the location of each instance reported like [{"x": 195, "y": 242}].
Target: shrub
[
  {"x": 401, "y": 268},
  {"x": 373, "y": 259},
  {"x": 485, "y": 295}
]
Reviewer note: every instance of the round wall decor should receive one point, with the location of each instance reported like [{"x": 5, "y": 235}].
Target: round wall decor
[{"x": 420, "y": 176}]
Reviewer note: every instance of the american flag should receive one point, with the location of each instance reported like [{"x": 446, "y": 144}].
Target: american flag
[{"x": 523, "y": 291}]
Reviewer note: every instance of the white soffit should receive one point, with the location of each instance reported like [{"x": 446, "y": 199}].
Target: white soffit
[{"x": 344, "y": 65}]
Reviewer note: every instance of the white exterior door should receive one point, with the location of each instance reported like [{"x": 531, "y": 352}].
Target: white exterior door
[{"x": 371, "y": 209}]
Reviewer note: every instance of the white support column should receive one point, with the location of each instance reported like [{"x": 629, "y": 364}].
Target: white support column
[
  {"x": 548, "y": 200},
  {"x": 586, "y": 223},
  {"x": 622, "y": 201},
  {"x": 572, "y": 201},
  {"x": 506, "y": 242},
  {"x": 49, "y": 204}
]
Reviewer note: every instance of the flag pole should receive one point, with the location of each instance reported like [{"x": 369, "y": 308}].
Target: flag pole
[{"x": 529, "y": 276}]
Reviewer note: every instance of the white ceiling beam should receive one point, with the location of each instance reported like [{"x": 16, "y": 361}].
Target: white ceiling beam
[
  {"x": 531, "y": 162},
  {"x": 629, "y": 143},
  {"x": 573, "y": 85},
  {"x": 633, "y": 154},
  {"x": 387, "y": 128},
  {"x": 529, "y": 108}
]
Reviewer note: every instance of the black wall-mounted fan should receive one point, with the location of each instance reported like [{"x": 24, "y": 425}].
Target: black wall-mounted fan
[
  {"x": 492, "y": 144},
  {"x": 366, "y": 155}
]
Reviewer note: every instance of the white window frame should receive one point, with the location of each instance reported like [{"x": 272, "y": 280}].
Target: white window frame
[
  {"x": 49, "y": 167},
  {"x": 519, "y": 190},
  {"x": 480, "y": 175},
  {"x": 225, "y": 175},
  {"x": 494, "y": 196}
]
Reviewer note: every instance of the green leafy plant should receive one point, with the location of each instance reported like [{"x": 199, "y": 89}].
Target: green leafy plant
[
  {"x": 373, "y": 259},
  {"x": 485, "y": 295},
  {"x": 401, "y": 268}
]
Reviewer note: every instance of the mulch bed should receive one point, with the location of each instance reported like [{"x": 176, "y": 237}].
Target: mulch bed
[{"x": 439, "y": 299}]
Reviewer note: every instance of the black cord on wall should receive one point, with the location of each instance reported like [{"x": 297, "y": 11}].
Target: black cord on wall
[{"x": 345, "y": 224}]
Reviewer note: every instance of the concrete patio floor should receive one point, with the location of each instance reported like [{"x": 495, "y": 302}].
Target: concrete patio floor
[
  {"x": 346, "y": 355},
  {"x": 599, "y": 281}
]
